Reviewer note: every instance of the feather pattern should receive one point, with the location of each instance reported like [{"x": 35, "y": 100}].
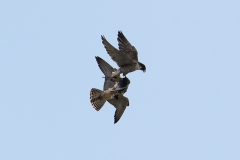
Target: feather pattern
[
  {"x": 107, "y": 70},
  {"x": 126, "y": 47},
  {"x": 120, "y": 58},
  {"x": 120, "y": 106},
  {"x": 96, "y": 100}
]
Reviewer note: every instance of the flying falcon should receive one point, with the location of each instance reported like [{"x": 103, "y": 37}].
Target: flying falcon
[
  {"x": 112, "y": 91},
  {"x": 126, "y": 57}
]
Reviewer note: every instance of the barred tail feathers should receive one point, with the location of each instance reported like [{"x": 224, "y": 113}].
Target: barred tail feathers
[{"x": 96, "y": 99}]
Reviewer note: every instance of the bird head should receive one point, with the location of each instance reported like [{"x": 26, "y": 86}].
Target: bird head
[{"x": 126, "y": 81}]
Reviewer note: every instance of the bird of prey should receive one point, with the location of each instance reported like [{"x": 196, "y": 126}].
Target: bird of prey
[
  {"x": 112, "y": 91},
  {"x": 126, "y": 57}
]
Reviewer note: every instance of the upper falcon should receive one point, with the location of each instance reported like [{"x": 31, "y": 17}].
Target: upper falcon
[{"x": 126, "y": 57}]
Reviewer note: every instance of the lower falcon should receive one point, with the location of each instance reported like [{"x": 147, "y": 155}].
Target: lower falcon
[{"x": 113, "y": 91}]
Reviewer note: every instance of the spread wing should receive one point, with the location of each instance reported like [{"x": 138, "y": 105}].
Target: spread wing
[
  {"x": 126, "y": 47},
  {"x": 107, "y": 70},
  {"x": 120, "y": 106},
  {"x": 120, "y": 58}
]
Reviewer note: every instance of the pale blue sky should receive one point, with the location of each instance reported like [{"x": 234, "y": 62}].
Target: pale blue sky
[{"x": 185, "y": 107}]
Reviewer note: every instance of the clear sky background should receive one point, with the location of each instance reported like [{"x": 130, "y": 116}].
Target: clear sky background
[{"x": 185, "y": 107}]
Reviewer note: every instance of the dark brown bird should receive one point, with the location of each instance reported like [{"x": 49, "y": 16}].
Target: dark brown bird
[{"x": 113, "y": 91}]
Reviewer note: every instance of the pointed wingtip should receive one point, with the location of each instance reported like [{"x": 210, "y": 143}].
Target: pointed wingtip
[
  {"x": 115, "y": 121},
  {"x": 102, "y": 36},
  {"x": 120, "y": 32},
  {"x": 97, "y": 58}
]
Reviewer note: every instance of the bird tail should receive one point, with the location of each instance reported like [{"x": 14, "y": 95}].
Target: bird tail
[{"x": 96, "y": 99}]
